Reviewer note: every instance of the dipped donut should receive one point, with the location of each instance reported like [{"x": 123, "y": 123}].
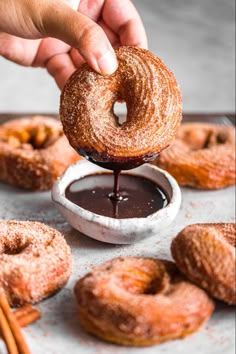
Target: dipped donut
[
  {"x": 140, "y": 301},
  {"x": 154, "y": 110},
  {"x": 33, "y": 152},
  {"x": 35, "y": 261},
  {"x": 205, "y": 253},
  {"x": 202, "y": 156}
]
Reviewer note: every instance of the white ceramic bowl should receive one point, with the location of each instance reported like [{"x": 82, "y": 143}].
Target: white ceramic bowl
[{"x": 118, "y": 231}]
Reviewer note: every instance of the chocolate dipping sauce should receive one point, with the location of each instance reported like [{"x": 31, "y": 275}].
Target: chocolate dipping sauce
[
  {"x": 117, "y": 163},
  {"x": 130, "y": 196}
]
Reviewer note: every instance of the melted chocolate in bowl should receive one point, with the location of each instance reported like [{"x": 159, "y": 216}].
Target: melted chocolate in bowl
[{"x": 130, "y": 196}]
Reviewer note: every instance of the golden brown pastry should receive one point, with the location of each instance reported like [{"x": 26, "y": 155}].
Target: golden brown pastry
[
  {"x": 140, "y": 301},
  {"x": 202, "y": 156},
  {"x": 154, "y": 111},
  {"x": 35, "y": 261},
  {"x": 33, "y": 152},
  {"x": 205, "y": 253}
]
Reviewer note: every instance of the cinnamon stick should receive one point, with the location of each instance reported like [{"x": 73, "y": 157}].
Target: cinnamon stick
[
  {"x": 27, "y": 316},
  {"x": 7, "y": 335},
  {"x": 12, "y": 324},
  {"x": 24, "y": 310}
]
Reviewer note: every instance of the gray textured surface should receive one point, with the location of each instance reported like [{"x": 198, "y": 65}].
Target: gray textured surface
[
  {"x": 196, "y": 39},
  {"x": 59, "y": 331}
]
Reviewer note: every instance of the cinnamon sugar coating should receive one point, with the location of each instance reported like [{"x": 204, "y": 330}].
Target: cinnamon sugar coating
[
  {"x": 154, "y": 109},
  {"x": 140, "y": 301},
  {"x": 33, "y": 152},
  {"x": 202, "y": 156},
  {"x": 35, "y": 261},
  {"x": 205, "y": 253}
]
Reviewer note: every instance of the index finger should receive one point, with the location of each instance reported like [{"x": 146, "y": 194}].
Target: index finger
[{"x": 122, "y": 17}]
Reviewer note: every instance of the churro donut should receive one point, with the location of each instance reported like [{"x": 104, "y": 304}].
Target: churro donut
[
  {"x": 140, "y": 301},
  {"x": 35, "y": 261},
  {"x": 153, "y": 102},
  {"x": 205, "y": 253},
  {"x": 33, "y": 152},
  {"x": 202, "y": 156}
]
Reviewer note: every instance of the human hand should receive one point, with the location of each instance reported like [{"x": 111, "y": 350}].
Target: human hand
[{"x": 89, "y": 34}]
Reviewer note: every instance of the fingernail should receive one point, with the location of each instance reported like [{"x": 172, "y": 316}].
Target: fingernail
[{"x": 108, "y": 63}]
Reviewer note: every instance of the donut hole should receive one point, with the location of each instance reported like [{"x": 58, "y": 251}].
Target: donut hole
[
  {"x": 37, "y": 137},
  {"x": 214, "y": 139},
  {"x": 221, "y": 138},
  {"x": 147, "y": 280},
  {"x": 14, "y": 248},
  {"x": 120, "y": 112}
]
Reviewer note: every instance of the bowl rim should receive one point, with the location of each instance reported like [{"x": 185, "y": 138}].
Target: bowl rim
[{"x": 59, "y": 187}]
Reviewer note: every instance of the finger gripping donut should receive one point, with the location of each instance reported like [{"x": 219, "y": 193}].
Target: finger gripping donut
[
  {"x": 202, "y": 156},
  {"x": 205, "y": 253},
  {"x": 35, "y": 261},
  {"x": 140, "y": 301},
  {"x": 153, "y": 102},
  {"x": 33, "y": 152}
]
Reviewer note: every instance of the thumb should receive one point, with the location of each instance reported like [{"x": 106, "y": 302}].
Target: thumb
[{"x": 60, "y": 21}]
